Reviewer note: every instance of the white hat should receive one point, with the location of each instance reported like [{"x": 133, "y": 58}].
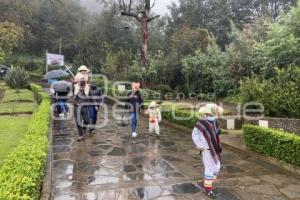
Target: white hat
[
  {"x": 211, "y": 109},
  {"x": 152, "y": 104},
  {"x": 83, "y": 68}
]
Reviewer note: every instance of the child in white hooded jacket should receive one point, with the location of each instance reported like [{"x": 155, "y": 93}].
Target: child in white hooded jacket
[{"x": 154, "y": 115}]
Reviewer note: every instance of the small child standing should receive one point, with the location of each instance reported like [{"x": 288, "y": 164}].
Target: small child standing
[
  {"x": 206, "y": 139},
  {"x": 154, "y": 115}
]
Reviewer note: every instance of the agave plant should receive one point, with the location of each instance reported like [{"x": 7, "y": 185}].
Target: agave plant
[{"x": 17, "y": 78}]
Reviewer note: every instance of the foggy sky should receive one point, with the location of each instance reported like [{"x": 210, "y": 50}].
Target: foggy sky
[{"x": 160, "y": 6}]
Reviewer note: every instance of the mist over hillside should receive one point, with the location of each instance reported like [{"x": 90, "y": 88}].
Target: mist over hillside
[
  {"x": 91, "y": 5},
  {"x": 160, "y": 7}
]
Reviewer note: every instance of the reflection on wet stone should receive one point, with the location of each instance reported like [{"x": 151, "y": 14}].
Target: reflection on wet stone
[
  {"x": 169, "y": 175},
  {"x": 64, "y": 197},
  {"x": 89, "y": 196},
  {"x": 99, "y": 142},
  {"x": 83, "y": 165},
  {"x": 102, "y": 147},
  {"x": 62, "y": 142},
  {"x": 91, "y": 179},
  {"x": 137, "y": 149},
  {"x": 96, "y": 153},
  {"x": 224, "y": 194},
  {"x": 91, "y": 170},
  {"x": 167, "y": 144},
  {"x": 184, "y": 188},
  {"x": 171, "y": 158},
  {"x": 100, "y": 180},
  {"x": 138, "y": 160},
  {"x": 147, "y": 193},
  {"x": 161, "y": 166},
  {"x": 60, "y": 149},
  {"x": 62, "y": 183},
  {"x": 129, "y": 168},
  {"x": 63, "y": 168},
  {"x": 117, "y": 152},
  {"x": 232, "y": 169},
  {"x": 137, "y": 177}
]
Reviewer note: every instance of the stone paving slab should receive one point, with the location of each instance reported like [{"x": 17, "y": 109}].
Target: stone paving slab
[{"x": 109, "y": 166}]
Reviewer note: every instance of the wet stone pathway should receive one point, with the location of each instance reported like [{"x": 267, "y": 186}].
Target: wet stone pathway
[{"x": 108, "y": 166}]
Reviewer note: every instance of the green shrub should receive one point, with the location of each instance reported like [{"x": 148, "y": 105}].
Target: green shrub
[
  {"x": 275, "y": 143},
  {"x": 1, "y": 56},
  {"x": 22, "y": 173},
  {"x": 279, "y": 95},
  {"x": 17, "y": 78},
  {"x": 150, "y": 94},
  {"x": 163, "y": 89},
  {"x": 189, "y": 121},
  {"x": 29, "y": 62}
]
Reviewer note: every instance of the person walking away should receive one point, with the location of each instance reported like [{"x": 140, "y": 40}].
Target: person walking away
[
  {"x": 61, "y": 90},
  {"x": 135, "y": 103},
  {"x": 96, "y": 99},
  {"x": 206, "y": 139},
  {"x": 81, "y": 110},
  {"x": 154, "y": 115}
]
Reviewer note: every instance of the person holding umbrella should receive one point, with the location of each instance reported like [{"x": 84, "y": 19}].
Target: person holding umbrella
[
  {"x": 206, "y": 139},
  {"x": 60, "y": 90}
]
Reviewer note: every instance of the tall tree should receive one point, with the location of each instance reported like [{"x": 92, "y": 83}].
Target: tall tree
[
  {"x": 141, "y": 15},
  {"x": 11, "y": 36},
  {"x": 282, "y": 46},
  {"x": 215, "y": 15}
]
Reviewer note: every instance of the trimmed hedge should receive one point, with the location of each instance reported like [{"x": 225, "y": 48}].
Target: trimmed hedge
[
  {"x": 22, "y": 173},
  {"x": 275, "y": 143},
  {"x": 189, "y": 121}
]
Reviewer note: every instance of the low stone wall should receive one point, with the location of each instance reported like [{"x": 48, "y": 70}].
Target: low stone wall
[
  {"x": 231, "y": 123},
  {"x": 286, "y": 124}
]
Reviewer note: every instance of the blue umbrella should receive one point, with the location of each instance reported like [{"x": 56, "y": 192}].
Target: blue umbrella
[{"x": 56, "y": 74}]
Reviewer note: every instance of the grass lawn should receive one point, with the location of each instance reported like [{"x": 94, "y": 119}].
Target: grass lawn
[
  {"x": 12, "y": 129},
  {"x": 17, "y": 107},
  {"x": 21, "y": 102},
  {"x": 23, "y": 95}
]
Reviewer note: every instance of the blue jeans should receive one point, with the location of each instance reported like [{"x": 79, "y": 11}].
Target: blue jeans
[
  {"x": 62, "y": 106},
  {"x": 134, "y": 119},
  {"x": 93, "y": 115}
]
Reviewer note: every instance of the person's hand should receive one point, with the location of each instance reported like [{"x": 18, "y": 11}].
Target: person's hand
[
  {"x": 97, "y": 108},
  {"x": 199, "y": 149}
]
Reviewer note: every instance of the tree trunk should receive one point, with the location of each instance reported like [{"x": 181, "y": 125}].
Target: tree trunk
[{"x": 144, "y": 56}]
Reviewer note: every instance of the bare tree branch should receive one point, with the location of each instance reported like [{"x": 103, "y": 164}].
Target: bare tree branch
[
  {"x": 129, "y": 14},
  {"x": 124, "y": 6},
  {"x": 153, "y": 4},
  {"x": 130, "y": 4},
  {"x": 153, "y": 18},
  {"x": 147, "y": 5}
]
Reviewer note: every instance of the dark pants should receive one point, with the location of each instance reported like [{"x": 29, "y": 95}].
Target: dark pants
[
  {"x": 82, "y": 119},
  {"x": 93, "y": 116},
  {"x": 62, "y": 106}
]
